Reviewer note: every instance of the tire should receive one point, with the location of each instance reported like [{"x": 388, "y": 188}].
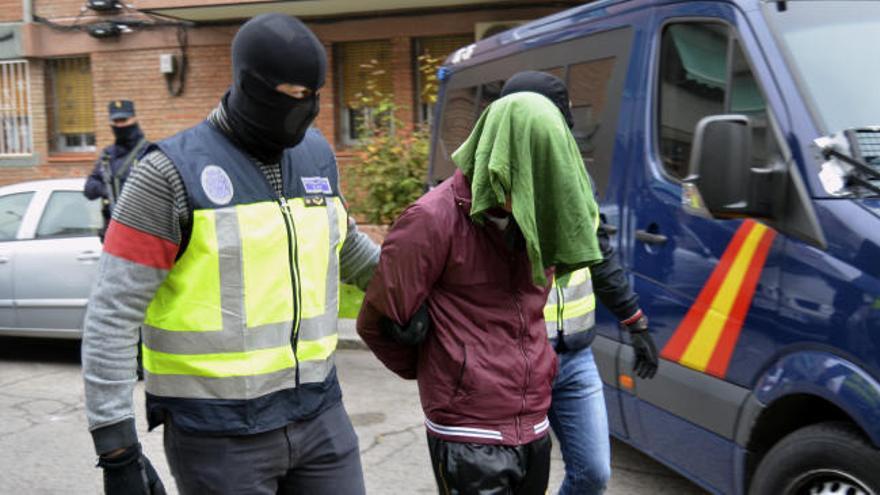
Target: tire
[{"x": 831, "y": 458}]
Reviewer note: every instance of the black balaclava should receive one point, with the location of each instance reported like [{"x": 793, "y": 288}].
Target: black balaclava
[
  {"x": 269, "y": 50},
  {"x": 128, "y": 136},
  {"x": 544, "y": 84}
]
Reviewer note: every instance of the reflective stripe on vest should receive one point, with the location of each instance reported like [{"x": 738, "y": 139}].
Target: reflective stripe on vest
[
  {"x": 572, "y": 303},
  {"x": 221, "y": 325}
]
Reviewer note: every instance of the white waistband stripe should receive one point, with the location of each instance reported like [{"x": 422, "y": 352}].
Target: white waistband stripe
[
  {"x": 542, "y": 426},
  {"x": 461, "y": 431}
]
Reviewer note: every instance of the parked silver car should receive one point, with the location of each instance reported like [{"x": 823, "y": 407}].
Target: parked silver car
[{"x": 49, "y": 250}]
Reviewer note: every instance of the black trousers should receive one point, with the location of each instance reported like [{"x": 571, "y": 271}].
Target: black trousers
[
  {"x": 477, "y": 469},
  {"x": 319, "y": 457}
]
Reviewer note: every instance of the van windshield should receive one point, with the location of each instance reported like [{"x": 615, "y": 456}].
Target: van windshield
[{"x": 832, "y": 46}]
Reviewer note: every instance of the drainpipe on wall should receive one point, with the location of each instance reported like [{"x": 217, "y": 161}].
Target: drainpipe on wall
[{"x": 27, "y": 13}]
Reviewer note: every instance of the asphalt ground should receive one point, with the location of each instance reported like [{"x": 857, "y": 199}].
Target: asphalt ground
[{"x": 45, "y": 447}]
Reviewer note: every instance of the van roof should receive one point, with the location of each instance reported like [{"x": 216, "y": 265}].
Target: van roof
[{"x": 484, "y": 48}]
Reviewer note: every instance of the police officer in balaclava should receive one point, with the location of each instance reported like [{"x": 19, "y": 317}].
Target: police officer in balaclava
[
  {"x": 114, "y": 165},
  {"x": 225, "y": 251}
]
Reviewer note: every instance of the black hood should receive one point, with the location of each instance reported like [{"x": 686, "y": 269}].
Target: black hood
[
  {"x": 544, "y": 84},
  {"x": 269, "y": 50}
]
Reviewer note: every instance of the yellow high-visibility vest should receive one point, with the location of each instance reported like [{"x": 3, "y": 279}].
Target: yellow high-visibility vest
[
  {"x": 571, "y": 304},
  {"x": 223, "y": 323},
  {"x": 250, "y": 307}
]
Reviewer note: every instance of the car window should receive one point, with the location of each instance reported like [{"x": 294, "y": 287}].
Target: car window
[
  {"x": 12, "y": 210},
  {"x": 69, "y": 214}
]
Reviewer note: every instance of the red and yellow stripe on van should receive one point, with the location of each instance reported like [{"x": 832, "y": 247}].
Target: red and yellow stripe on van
[{"x": 707, "y": 336}]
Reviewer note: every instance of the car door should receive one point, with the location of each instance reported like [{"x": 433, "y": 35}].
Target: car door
[
  {"x": 13, "y": 207},
  {"x": 703, "y": 282},
  {"x": 56, "y": 266}
]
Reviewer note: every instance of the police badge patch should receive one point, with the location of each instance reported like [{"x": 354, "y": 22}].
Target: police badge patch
[
  {"x": 317, "y": 185},
  {"x": 217, "y": 185}
]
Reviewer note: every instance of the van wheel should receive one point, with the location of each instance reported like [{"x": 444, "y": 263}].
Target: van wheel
[{"x": 824, "y": 459}]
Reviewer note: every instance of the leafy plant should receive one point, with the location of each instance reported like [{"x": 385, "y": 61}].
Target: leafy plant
[{"x": 390, "y": 159}]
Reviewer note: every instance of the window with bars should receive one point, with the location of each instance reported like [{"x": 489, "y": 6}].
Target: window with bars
[
  {"x": 430, "y": 54},
  {"x": 71, "y": 104},
  {"x": 16, "y": 138},
  {"x": 364, "y": 69}
]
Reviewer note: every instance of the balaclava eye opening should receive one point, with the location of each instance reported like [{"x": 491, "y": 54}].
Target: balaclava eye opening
[
  {"x": 269, "y": 50},
  {"x": 544, "y": 84}
]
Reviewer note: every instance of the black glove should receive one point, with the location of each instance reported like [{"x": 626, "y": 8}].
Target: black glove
[
  {"x": 413, "y": 333},
  {"x": 645, "y": 365},
  {"x": 130, "y": 473}
]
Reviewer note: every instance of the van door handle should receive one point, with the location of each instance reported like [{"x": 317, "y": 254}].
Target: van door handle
[
  {"x": 610, "y": 229},
  {"x": 649, "y": 238}
]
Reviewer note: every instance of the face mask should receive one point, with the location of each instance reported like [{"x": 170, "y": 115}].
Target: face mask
[
  {"x": 127, "y": 136},
  {"x": 269, "y": 50},
  {"x": 267, "y": 120}
]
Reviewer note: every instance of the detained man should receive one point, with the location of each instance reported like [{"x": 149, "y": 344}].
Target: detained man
[{"x": 470, "y": 262}]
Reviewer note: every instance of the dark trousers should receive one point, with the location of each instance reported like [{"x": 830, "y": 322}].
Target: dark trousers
[
  {"x": 477, "y": 469},
  {"x": 319, "y": 456}
]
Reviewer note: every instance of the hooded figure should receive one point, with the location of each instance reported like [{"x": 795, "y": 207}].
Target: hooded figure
[
  {"x": 520, "y": 150},
  {"x": 484, "y": 366},
  {"x": 578, "y": 416}
]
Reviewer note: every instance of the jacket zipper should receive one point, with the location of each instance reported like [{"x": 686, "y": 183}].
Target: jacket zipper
[
  {"x": 522, "y": 348},
  {"x": 293, "y": 264}
]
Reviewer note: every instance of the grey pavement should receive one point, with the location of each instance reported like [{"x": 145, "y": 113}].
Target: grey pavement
[{"x": 45, "y": 448}]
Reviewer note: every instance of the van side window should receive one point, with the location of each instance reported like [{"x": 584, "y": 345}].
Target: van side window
[
  {"x": 698, "y": 80},
  {"x": 693, "y": 83},
  {"x": 588, "y": 87},
  {"x": 745, "y": 98},
  {"x": 489, "y": 92},
  {"x": 459, "y": 116}
]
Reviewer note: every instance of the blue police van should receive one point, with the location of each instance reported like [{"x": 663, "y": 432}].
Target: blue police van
[{"x": 734, "y": 148}]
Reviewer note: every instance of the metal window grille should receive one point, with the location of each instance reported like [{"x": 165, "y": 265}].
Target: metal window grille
[
  {"x": 16, "y": 138},
  {"x": 71, "y": 105}
]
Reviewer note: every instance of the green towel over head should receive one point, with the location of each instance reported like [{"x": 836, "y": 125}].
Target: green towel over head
[{"x": 521, "y": 148}]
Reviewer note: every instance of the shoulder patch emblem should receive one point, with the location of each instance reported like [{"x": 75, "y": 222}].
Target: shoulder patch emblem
[{"x": 217, "y": 185}]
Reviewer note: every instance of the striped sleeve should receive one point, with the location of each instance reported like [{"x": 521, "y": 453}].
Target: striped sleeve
[
  {"x": 154, "y": 199},
  {"x": 139, "y": 250},
  {"x": 358, "y": 258}
]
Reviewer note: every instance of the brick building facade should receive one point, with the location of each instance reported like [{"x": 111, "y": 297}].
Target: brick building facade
[{"x": 56, "y": 78}]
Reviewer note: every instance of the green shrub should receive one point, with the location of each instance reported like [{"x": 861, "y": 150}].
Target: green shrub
[{"x": 391, "y": 159}]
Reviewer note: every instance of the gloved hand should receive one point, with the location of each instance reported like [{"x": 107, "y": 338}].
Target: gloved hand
[
  {"x": 414, "y": 332},
  {"x": 646, "y": 363},
  {"x": 130, "y": 473}
]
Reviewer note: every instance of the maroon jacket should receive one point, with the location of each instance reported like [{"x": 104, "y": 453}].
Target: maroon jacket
[{"x": 485, "y": 370}]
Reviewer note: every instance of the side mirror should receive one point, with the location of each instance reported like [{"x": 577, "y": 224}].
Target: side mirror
[{"x": 722, "y": 182}]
